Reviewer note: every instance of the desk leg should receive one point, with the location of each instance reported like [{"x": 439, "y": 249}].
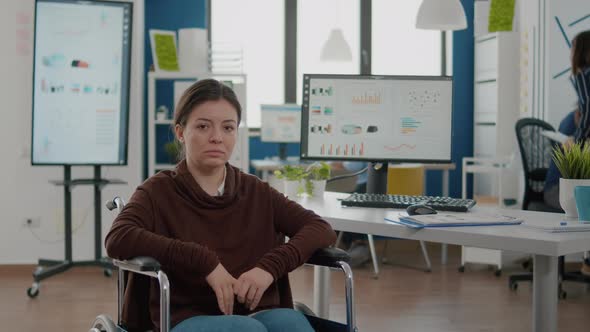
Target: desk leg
[
  {"x": 545, "y": 286},
  {"x": 445, "y": 193},
  {"x": 321, "y": 291}
]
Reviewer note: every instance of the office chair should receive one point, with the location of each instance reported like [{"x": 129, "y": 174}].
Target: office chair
[
  {"x": 134, "y": 283},
  {"x": 536, "y": 152}
]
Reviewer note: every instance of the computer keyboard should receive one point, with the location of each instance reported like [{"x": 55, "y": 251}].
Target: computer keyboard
[{"x": 403, "y": 201}]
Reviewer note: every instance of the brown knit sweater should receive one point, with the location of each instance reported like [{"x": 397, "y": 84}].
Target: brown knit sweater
[{"x": 170, "y": 218}]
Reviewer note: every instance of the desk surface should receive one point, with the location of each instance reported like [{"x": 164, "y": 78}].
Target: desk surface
[
  {"x": 515, "y": 238},
  {"x": 273, "y": 164}
]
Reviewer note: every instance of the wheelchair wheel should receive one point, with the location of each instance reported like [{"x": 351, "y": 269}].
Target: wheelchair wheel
[
  {"x": 513, "y": 285},
  {"x": 33, "y": 291},
  {"x": 108, "y": 273},
  {"x": 103, "y": 323}
]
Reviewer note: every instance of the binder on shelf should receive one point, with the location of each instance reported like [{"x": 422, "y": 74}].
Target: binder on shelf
[{"x": 453, "y": 220}]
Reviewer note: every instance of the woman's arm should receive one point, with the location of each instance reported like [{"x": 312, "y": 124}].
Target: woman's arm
[
  {"x": 307, "y": 233},
  {"x": 132, "y": 235},
  {"x": 581, "y": 83}
]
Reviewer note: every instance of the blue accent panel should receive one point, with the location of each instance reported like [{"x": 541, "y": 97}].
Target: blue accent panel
[
  {"x": 164, "y": 134},
  {"x": 165, "y": 96},
  {"x": 579, "y": 20},
  {"x": 261, "y": 150},
  {"x": 462, "y": 101},
  {"x": 567, "y": 40},
  {"x": 433, "y": 183},
  {"x": 167, "y": 15}
]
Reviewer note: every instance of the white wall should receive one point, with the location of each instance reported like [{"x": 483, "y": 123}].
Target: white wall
[
  {"x": 545, "y": 54},
  {"x": 25, "y": 190}
]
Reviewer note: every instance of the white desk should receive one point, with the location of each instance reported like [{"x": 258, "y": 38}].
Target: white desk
[
  {"x": 545, "y": 247},
  {"x": 264, "y": 167}
]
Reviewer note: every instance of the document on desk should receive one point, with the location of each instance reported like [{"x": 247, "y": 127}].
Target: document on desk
[
  {"x": 559, "y": 226},
  {"x": 555, "y": 136},
  {"x": 454, "y": 220}
]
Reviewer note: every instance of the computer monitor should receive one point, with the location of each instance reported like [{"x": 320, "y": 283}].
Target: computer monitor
[
  {"x": 81, "y": 69},
  {"x": 280, "y": 124},
  {"x": 377, "y": 119}
]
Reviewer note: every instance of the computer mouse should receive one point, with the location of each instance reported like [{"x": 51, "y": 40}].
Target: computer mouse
[{"x": 418, "y": 209}]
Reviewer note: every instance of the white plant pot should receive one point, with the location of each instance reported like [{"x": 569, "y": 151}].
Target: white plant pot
[
  {"x": 319, "y": 187},
  {"x": 291, "y": 188},
  {"x": 566, "y": 195}
]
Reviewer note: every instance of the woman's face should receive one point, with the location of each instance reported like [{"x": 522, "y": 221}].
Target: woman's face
[{"x": 210, "y": 133}]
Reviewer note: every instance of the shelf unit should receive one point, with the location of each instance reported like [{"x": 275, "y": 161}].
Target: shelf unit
[
  {"x": 496, "y": 110},
  {"x": 160, "y": 130}
]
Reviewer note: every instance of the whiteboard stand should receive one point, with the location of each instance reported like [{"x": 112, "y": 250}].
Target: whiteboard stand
[{"x": 50, "y": 267}]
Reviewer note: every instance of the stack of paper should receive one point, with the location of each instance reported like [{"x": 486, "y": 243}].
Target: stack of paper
[
  {"x": 453, "y": 220},
  {"x": 560, "y": 226}
]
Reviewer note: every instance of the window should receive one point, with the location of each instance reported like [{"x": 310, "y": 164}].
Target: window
[
  {"x": 316, "y": 18},
  {"x": 398, "y": 48},
  {"x": 258, "y": 27}
]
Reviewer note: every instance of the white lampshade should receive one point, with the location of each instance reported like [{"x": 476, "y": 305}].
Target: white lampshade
[
  {"x": 441, "y": 15},
  {"x": 336, "y": 48}
]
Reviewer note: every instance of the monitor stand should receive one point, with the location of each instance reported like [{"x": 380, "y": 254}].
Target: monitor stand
[
  {"x": 283, "y": 151},
  {"x": 377, "y": 178}
]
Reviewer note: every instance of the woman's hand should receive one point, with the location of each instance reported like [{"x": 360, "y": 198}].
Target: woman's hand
[
  {"x": 223, "y": 284},
  {"x": 251, "y": 285}
]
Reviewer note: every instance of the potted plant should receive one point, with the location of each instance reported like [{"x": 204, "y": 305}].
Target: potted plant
[
  {"x": 573, "y": 162},
  {"x": 293, "y": 177},
  {"x": 173, "y": 150},
  {"x": 315, "y": 182}
]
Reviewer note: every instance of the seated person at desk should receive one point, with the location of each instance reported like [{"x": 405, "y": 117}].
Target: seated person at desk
[
  {"x": 567, "y": 126},
  {"x": 215, "y": 230}
]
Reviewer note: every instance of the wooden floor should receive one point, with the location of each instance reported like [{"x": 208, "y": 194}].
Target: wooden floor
[{"x": 404, "y": 298}]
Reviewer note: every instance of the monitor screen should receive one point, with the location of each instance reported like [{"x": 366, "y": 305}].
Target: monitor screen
[
  {"x": 81, "y": 82},
  {"x": 280, "y": 123},
  {"x": 377, "y": 118}
]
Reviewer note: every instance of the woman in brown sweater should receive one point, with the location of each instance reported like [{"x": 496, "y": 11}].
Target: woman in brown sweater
[{"x": 216, "y": 231}]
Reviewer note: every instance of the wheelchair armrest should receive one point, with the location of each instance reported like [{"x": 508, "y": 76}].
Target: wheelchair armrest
[
  {"x": 139, "y": 264},
  {"x": 329, "y": 257}
]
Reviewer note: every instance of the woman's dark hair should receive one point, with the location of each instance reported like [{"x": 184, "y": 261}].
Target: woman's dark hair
[
  {"x": 203, "y": 91},
  {"x": 581, "y": 51},
  {"x": 199, "y": 93}
]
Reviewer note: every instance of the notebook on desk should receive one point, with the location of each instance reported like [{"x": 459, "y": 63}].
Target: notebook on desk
[{"x": 453, "y": 220}]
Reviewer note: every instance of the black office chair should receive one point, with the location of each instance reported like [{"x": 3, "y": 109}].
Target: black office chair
[
  {"x": 134, "y": 283},
  {"x": 536, "y": 152}
]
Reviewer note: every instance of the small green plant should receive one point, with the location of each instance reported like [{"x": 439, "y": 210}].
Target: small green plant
[
  {"x": 573, "y": 160},
  {"x": 319, "y": 171},
  {"x": 291, "y": 173},
  {"x": 173, "y": 150},
  {"x": 316, "y": 172}
]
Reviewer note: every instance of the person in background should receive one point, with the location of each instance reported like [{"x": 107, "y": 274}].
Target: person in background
[
  {"x": 580, "y": 60},
  {"x": 215, "y": 230}
]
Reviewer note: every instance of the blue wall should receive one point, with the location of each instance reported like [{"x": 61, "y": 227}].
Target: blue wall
[
  {"x": 462, "y": 98},
  {"x": 167, "y": 15}
]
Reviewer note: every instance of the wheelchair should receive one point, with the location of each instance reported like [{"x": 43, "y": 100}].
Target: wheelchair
[{"x": 333, "y": 258}]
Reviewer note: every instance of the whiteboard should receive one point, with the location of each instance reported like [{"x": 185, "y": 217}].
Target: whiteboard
[{"x": 81, "y": 82}]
